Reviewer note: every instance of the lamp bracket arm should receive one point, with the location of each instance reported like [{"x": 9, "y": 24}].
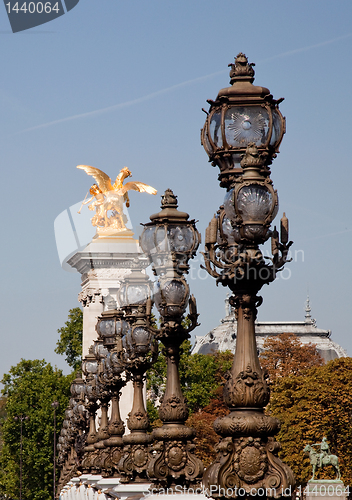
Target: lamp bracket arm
[{"x": 193, "y": 314}]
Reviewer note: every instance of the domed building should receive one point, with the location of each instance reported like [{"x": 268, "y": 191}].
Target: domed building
[{"x": 223, "y": 337}]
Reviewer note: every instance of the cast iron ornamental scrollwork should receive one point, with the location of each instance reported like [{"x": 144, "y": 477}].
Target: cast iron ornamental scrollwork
[
  {"x": 247, "y": 453},
  {"x": 174, "y": 462}
]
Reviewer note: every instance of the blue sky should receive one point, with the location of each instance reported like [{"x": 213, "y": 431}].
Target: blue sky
[{"x": 115, "y": 83}]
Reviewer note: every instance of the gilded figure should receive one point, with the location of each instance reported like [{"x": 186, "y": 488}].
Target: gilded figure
[{"x": 107, "y": 199}]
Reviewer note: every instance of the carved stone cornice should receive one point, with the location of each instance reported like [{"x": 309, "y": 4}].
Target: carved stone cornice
[
  {"x": 107, "y": 273},
  {"x": 86, "y": 261},
  {"x": 90, "y": 295}
]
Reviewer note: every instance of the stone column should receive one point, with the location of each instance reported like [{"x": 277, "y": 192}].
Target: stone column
[{"x": 103, "y": 265}]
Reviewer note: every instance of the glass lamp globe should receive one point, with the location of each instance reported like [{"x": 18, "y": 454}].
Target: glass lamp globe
[
  {"x": 138, "y": 341},
  {"x": 241, "y": 114},
  {"x": 170, "y": 239},
  {"x": 171, "y": 296},
  {"x": 90, "y": 364},
  {"x": 99, "y": 350},
  {"x": 135, "y": 289},
  {"x": 77, "y": 387},
  {"x": 250, "y": 208},
  {"x": 117, "y": 365},
  {"x": 109, "y": 326}
]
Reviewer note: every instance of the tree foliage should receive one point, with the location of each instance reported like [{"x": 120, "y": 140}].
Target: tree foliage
[
  {"x": 310, "y": 399},
  {"x": 285, "y": 355},
  {"x": 203, "y": 422},
  {"x": 70, "y": 341},
  {"x": 313, "y": 405},
  {"x": 29, "y": 388},
  {"x": 200, "y": 376}
]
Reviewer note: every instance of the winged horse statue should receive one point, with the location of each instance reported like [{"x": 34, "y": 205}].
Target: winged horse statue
[{"x": 108, "y": 199}]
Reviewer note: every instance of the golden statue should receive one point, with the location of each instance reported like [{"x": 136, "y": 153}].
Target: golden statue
[{"x": 110, "y": 197}]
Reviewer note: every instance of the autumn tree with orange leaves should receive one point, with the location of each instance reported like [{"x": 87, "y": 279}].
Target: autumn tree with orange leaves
[
  {"x": 310, "y": 399},
  {"x": 285, "y": 355},
  {"x": 311, "y": 406}
]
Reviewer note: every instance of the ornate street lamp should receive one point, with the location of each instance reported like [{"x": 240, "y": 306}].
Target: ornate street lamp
[
  {"x": 135, "y": 290},
  {"x": 79, "y": 415},
  {"x": 111, "y": 327},
  {"x": 169, "y": 241},
  {"x": 140, "y": 353},
  {"x": 71, "y": 440},
  {"x": 90, "y": 370},
  {"x": 245, "y": 122},
  {"x": 104, "y": 396},
  {"x": 241, "y": 114}
]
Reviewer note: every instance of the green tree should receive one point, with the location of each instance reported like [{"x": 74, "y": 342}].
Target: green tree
[
  {"x": 200, "y": 376},
  {"x": 30, "y": 387},
  {"x": 2, "y": 417},
  {"x": 313, "y": 405},
  {"x": 70, "y": 341}
]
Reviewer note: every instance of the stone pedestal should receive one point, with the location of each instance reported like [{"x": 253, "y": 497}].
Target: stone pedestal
[
  {"x": 326, "y": 489},
  {"x": 103, "y": 264}
]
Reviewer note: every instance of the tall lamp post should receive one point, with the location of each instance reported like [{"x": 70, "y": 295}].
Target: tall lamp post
[
  {"x": 90, "y": 370},
  {"x": 111, "y": 327},
  {"x": 140, "y": 352},
  {"x": 169, "y": 241},
  {"x": 241, "y": 135},
  {"x": 21, "y": 418},
  {"x": 55, "y": 405}
]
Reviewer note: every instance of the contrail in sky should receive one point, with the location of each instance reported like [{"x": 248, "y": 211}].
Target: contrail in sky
[
  {"x": 330, "y": 234},
  {"x": 177, "y": 86},
  {"x": 127, "y": 103},
  {"x": 305, "y": 49}
]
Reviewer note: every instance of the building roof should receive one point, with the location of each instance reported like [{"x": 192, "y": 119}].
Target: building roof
[{"x": 223, "y": 337}]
